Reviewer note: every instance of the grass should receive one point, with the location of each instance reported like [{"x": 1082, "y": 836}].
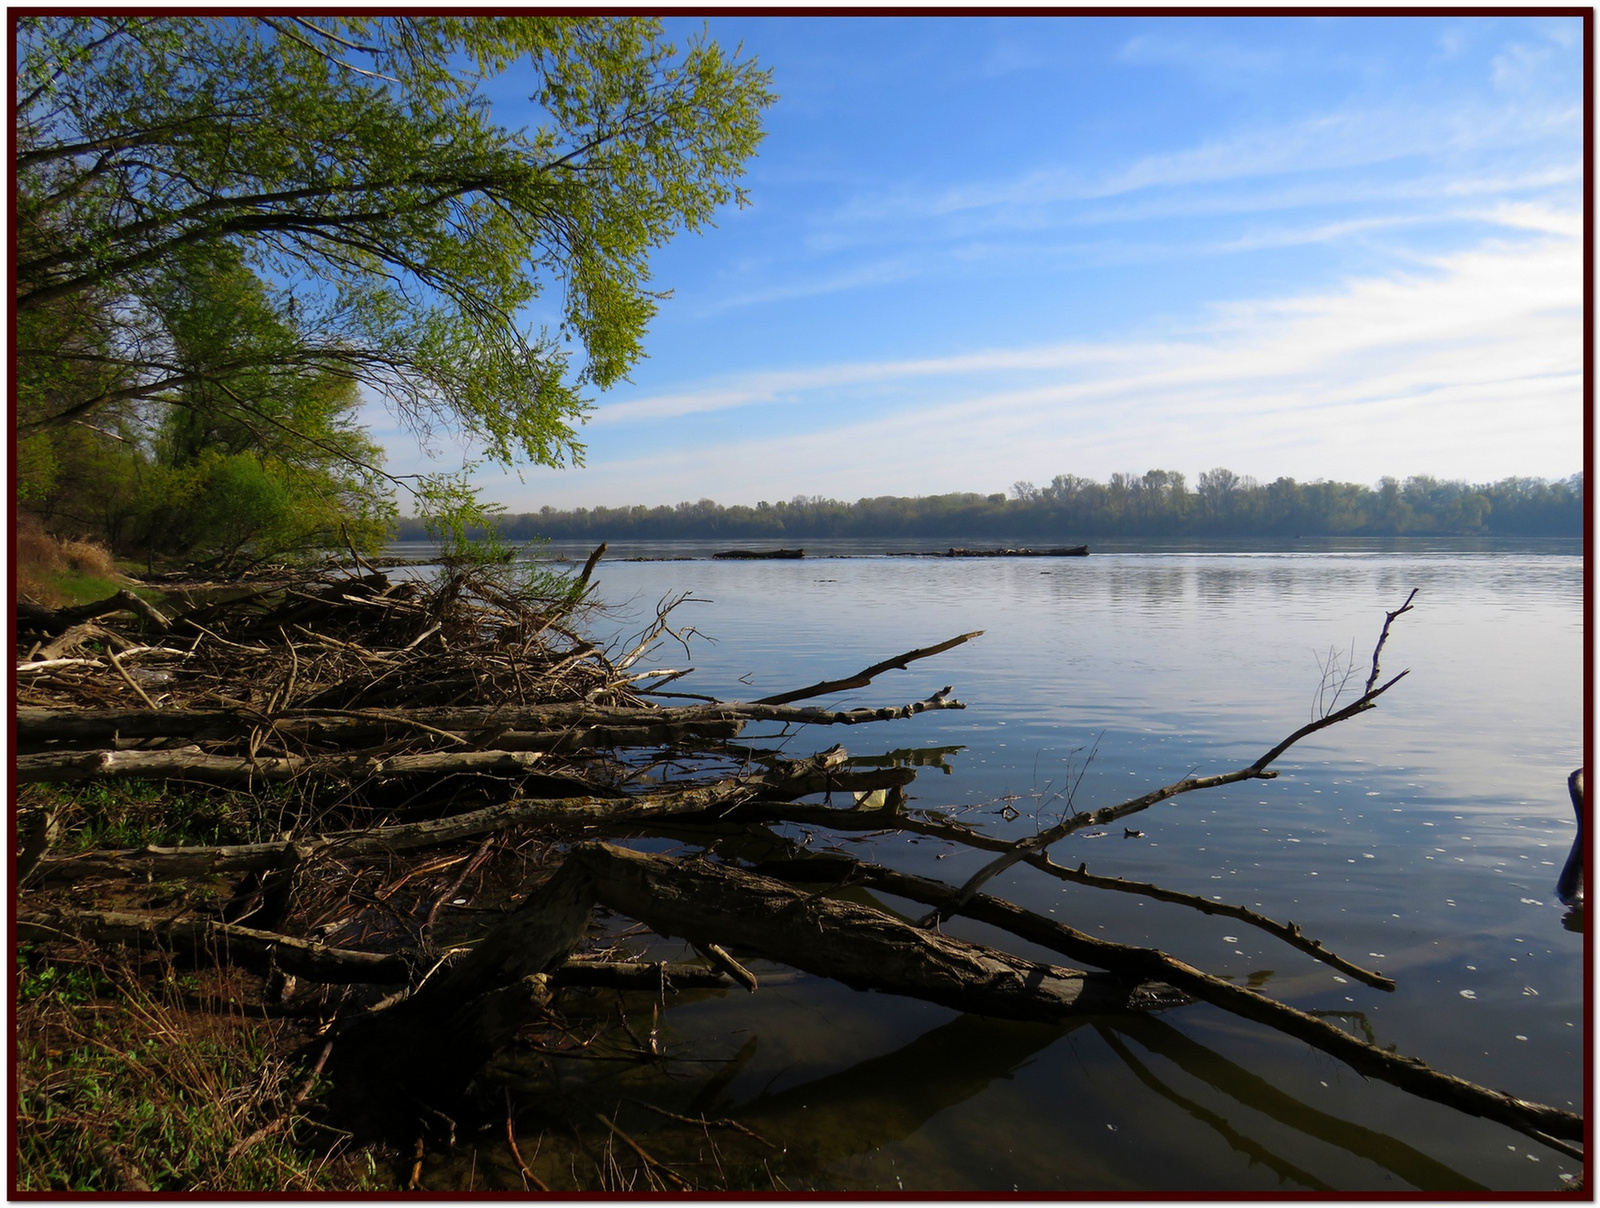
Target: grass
[
  {"x": 135, "y": 1071},
  {"x": 129, "y": 1079},
  {"x": 57, "y": 571},
  {"x": 134, "y": 813}
]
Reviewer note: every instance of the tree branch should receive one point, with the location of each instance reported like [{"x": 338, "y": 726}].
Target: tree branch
[{"x": 1255, "y": 771}]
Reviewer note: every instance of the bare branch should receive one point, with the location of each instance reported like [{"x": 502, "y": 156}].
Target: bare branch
[
  {"x": 862, "y": 678},
  {"x": 1259, "y": 770}
]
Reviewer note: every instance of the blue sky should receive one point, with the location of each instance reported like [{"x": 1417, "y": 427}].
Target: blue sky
[{"x": 989, "y": 250}]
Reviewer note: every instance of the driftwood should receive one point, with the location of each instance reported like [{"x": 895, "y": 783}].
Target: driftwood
[
  {"x": 1408, "y": 1073},
  {"x": 60, "y": 620},
  {"x": 36, "y": 726},
  {"x": 712, "y": 905},
  {"x": 358, "y": 682},
  {"x": 224, "y": 941},
  {"x": 190, "y": 763},
  {"x": 754, "y": 555},
  {"x": 821, "y": 774}
]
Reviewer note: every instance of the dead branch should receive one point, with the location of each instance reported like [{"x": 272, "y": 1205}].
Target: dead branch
[
  {"x": 1259, "y": 770},
  {"x": 862, "y": 678},
  {"x": 195, "y": 934},
  {"x": 1533, "y": 1119},
  {"x": 1383, "y": 637}
]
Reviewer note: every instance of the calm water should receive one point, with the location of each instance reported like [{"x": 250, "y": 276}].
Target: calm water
[{"x": 1421, "y": 839}]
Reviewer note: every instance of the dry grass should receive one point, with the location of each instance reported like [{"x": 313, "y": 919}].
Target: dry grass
[
  {"x": 47, "y": 567},
  {"x": 154, "y": 1080}
]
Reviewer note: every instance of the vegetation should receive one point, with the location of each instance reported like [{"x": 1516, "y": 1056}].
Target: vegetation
[
  {"x": 1156, "y": 504},
  {"x": 230, "y": 233},
  {"x": 153, "y": 1078}
]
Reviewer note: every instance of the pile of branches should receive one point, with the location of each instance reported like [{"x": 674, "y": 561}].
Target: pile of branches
[{"x": 459, "y": 761}]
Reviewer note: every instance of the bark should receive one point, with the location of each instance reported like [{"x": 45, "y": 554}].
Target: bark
[
  {"x": 36, "y": 726},
  {"x": 867, "y": 949}
]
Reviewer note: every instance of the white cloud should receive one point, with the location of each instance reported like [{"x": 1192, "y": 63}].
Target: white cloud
[{"x": 1467, "y": 366}]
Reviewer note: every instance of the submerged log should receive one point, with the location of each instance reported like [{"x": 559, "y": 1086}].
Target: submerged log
[
  {"x": 750, "y": 555},
  {"x": 433, "y": 1042},
  {"x": 1408, "y": 1073}
]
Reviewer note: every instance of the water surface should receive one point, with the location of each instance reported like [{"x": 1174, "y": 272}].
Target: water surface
[{"x": 1421, "y": 839}]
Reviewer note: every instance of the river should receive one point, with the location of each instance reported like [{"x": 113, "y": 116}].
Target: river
[{"x": 1422, "y": 839}]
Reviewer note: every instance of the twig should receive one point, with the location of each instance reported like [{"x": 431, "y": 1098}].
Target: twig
[
  {"x": 643, "y": 1155},
  {"x": 129, "y": 680},
  {"x": 702, "y": 1122},
  {"x": 1383, "y": 637},
  {"x": 273, "y": 1125},
  {"x": 511, "y": 1140}
]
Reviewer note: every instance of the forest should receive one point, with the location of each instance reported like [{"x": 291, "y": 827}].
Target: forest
[{"x": 1159, "y": 503}]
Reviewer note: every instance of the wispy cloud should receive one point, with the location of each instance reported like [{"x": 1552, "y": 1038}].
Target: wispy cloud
[{"x": 1468, "y": 365}]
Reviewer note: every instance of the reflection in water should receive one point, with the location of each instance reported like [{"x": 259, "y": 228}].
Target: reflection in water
[
  {"x": 1253, "y": 1091},
  {"x": 1396, "y": 838},
  {"x": 909, "y": 757},
  {"x": 1237, "y": 1141},
  {"x": 888, "y": 1098}
]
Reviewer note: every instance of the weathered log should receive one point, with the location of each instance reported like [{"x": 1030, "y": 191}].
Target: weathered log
[
  {"x": 708, "y": 903},
  {"x": 36, "y": 726},
  {"x": 808, "y": 776},
  {"x": 59, "y": 620},
  {"x": 1408, "y": 1073},
  {"x": 199, "y": 935},
  {"x": 716, "y": 799},
  {"x": 190, "y": 763},
  {"x": 432, "y": 1041}
]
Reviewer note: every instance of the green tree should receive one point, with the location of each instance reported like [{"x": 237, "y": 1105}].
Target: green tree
[{"x": 399, "y": 234}]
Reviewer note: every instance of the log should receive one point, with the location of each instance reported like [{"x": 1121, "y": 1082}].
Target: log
[
  {"x": 36, "y": 726},
  {"x": 808, "y": 776},
  {"x": 1408, "y": 1073},
  {"x": 59, "y": 620},
  {"x": 866, "y": 949},
  {"x": 190, "y": 763}
]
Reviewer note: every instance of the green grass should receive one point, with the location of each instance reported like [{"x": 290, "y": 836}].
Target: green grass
[
  {"x": 115, "y": 1076},
  {"x": 76, "y": 587},
  {"x": 133, "y": 813}
]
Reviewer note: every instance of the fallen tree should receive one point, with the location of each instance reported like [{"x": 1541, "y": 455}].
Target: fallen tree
[{"x": 424, "y": 716}]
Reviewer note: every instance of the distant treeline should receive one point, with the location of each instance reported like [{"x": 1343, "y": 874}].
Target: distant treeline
[{"x": 1157, "y": 504}]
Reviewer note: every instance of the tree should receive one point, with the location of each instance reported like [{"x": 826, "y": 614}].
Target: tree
[{"x": 399, "y": 235}]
